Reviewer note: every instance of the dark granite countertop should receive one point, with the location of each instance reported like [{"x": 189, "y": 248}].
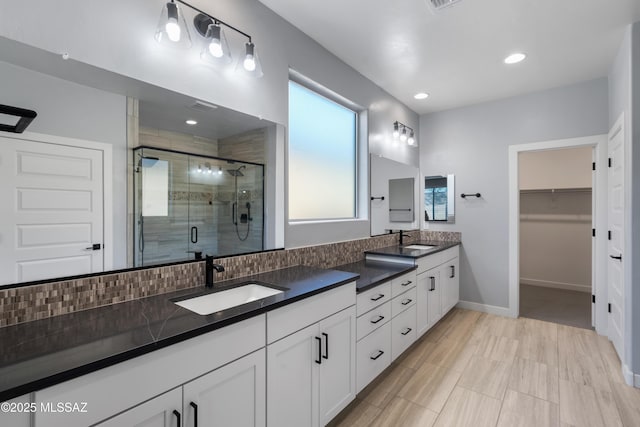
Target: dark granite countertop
[
  {"x": 402, "y": 251},
  {"x": 373, "y": 273},
  {"x": 42, "y": 353}
]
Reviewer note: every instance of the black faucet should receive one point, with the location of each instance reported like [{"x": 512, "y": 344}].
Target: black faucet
[
  {"x": 401, "y": 235},
  {"x": 209, "y": 266}
]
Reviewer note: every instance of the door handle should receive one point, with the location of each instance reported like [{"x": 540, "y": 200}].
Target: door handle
[
  {"x": 378, "y": 297},
  {"x": 407, "y": 283},
  {"x": 177, "y": 414},
  {"x": 380, "y": 353},
  {"x": 378, "y": 319},
  {"x": 407, "y": 301},
  {"x": 194, "y": 234},
  {"x": 195, "y": 414},
  {"x": 453, "y": 271},
  {"x": 319, "y": 359},
  {"x": 94, "y": 247},
  {"x": 433, "y": 283},
  {"x": 406, "y": 332},
  {"x": 326, "y": 346},
  {"x": 619, "y": 257}
]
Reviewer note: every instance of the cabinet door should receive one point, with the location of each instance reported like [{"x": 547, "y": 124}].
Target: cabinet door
[
  {"x": 422, "y": 304},
  {"x": 450, "y": 284},
  {"x": 233, "y": 395},
  {"x": 162, "y": 411},
  {"x": 17, "y": 415},
  {"x": 337, "y": 380},
  {"x": 292, "y": 369},
  {"x": 435, "y": 294}
]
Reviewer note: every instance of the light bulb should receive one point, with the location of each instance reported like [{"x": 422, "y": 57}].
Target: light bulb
[
  {"x": 210, "y": 171},
  {"x": 199, "y": 169},
  {"x": 172, "y": 27},
  {"x": 215, "y": 45},
  {"x": 249, "y": 60},
  {"x": 220, "y": 171},
  {"x": 403, "y": 135},
  {"x": 411, "y": 139},
  {"x": 396, "y": 133}
]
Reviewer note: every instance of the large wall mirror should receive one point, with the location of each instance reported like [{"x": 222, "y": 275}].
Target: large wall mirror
[
  {"x": 439, "y": 198},
  {"x": 181, "y": 178}
]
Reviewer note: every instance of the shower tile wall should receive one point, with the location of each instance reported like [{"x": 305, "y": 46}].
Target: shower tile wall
[{"x": 205, "y": 200}]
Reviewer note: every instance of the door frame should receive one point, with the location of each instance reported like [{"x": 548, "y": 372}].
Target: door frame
[
  {"x": 107, "y": 180},
  {"x": 599, "y": 221}
]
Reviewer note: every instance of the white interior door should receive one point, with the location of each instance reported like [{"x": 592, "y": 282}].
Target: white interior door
[
  {"x": 51, "y": 210},
  {"x": 616, "y": 259}
]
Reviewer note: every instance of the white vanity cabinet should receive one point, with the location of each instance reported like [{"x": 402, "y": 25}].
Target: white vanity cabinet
[
  {"x": 119, "y": 388},
  {"x": 450, "y": 283},
  {"x": 386, "y": 326},
  {"x": 311, "y": 359},
  {"x": 17, "y": 412}
]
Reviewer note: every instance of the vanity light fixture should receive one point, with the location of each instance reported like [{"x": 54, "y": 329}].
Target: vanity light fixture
[
  {"x": 514, "y": 58},
  {"x": 199, "y": 168},
  {"x": 172, "y": 30},
  {"x": 405, "y": 135},
  {"x": 219, "y": 170}
]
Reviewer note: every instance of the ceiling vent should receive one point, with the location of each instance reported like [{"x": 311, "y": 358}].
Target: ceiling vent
[
  {"x": 438, "y": 5},
  {"x": 203, "y": 106}
]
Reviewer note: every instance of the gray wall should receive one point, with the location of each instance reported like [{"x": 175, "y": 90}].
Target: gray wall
[
  {"x": 128, "y": 48},
  {"x": 75, "y": 111},
  {"x": 472, "y": 143}
]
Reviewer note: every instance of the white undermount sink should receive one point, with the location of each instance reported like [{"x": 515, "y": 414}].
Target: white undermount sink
[
  {"x": 217, "y": 301},
  {"x": 421, "y": 247}
]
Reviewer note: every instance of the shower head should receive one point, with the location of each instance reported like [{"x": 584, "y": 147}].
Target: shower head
[{"x": 236, "y": 172}]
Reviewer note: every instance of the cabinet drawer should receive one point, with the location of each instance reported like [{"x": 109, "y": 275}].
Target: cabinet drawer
[
  {"x": 373, "y": 355},
  {"x": 403, "y": 331},
  {"x": 450, "y": 253},
  {"x": 402, "y": 283},
  {"x": 373, "y": 319},
  {"x": 294, "y": 317},
  {"x": 403, "y": 302},
  {"x": 373, "y": 298}
]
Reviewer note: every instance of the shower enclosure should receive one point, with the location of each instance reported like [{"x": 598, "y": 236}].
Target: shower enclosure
[{"x": 187, "y": 206}]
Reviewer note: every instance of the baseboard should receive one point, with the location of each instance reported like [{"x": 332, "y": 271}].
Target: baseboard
[
  {"x": 557, "y": 285},
  {"x": 629, "y": 377},
  {"x": 484, "y": 308}
]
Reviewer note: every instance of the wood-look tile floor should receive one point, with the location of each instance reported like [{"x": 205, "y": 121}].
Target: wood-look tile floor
[{"x": 476, "y": 369}]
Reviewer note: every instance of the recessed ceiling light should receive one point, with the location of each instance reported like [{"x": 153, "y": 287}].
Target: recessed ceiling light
[
  {"x": 421, "y": 95},
  {"x": 514, "y": 58},
  {"x": 191, "y": 122}
]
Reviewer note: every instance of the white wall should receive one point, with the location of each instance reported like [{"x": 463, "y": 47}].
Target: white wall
[
  {"x": 472, "y": 143},
  {"x": 75, "y": 111},
  {"x": 118, "y": 36}
]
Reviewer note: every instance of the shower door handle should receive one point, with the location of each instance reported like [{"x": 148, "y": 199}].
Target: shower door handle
[
  {"x": 194, "y": 234},
  {"x": 233, "y": 213}
]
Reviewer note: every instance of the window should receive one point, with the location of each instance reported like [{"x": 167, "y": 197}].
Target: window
[
  {"x": 322, "y": 157},
  {"x": 435, "y": 199},
  {"x": 155, "y": 187}
]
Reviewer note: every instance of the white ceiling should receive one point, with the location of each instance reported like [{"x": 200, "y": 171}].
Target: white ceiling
[{"x": 456, "y": 54}]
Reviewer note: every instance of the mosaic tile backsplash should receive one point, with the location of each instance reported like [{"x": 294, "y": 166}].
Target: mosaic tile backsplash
[{"x": 27, "y": 303}]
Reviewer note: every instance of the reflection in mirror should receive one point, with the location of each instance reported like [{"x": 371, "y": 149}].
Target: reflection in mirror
[
  {"x": 79, "y": 162},
  {"x": 439, "y": 198},
  {"x": 401, "y": 207},
  {"x": 188, "y": 204}
]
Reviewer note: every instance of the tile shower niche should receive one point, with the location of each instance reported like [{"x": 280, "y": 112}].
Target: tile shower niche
[{"x": 186, "y": 206}]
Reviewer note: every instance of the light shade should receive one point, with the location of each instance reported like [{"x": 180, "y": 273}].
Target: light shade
[
  {"x": 216, "y": 48},
  {"x": 172, "y": 28},
  {"x": 249, "y": 64},
  {"x": 396, "y": 131}
]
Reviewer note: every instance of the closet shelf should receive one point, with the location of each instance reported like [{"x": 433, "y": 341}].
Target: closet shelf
[{"x": 557, "y": 190}]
